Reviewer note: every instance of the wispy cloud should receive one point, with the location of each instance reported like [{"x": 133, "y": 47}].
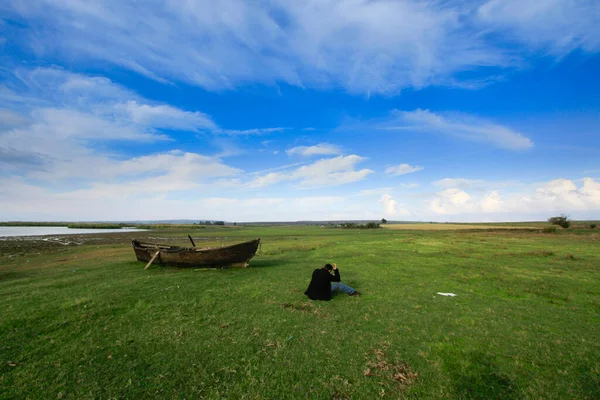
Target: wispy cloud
[
  {"x": 282, "y": 167},
  {"x": 556, "y": 26},
  {"x": 325, "y": 172},
  {"x": 319, "y": 149},
  {"x": 402, "y": 169},
  {"x": 362, "y": 46},
  {"x": 248, "y": 132},
  {"x": 460, "y": 125},
  {"x": 165, "y": 116}
]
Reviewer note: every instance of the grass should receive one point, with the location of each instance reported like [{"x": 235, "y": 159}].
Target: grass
[
  {"x": 85, "y": 321},
  {"x": 454, "y": 227}
]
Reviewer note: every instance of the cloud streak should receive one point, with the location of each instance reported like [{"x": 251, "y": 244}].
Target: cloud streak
[
  {"x": 319, "y": 149},
  {"x": 325, "y": 172},
  {"x": 460, "y": 125},
  {"x": 248, "y": 132},
  {"x": 403, "y": 169}
]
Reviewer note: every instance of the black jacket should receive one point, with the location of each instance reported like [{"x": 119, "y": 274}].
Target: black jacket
[{"x": 319, "y": 287}]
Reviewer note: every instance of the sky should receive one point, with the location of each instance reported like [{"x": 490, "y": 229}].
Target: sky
[{"x": 285, "y": 110}]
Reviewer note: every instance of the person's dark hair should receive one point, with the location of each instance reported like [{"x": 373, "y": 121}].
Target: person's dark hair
[{"x": 328, "y": 267}]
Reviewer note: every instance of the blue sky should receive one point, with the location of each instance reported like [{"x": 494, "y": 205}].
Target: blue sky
[{"x": 314, "y": 110}]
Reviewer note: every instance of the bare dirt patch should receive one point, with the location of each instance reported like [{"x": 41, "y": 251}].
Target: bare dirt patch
[{"x": 400, "y": 373}]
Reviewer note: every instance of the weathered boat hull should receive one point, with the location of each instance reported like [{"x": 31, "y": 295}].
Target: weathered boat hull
[{"x": 237, "y": 255}]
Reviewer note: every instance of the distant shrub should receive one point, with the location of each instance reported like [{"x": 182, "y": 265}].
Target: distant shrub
[
  {"x": 592, "y": 226},
  {"x": 561, "y": 220},
  {"x": 383, "y": 221},
  {"x": 549, "y": 229}
]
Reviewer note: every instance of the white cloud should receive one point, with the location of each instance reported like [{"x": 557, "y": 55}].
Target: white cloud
[
  {"x": 165, "y": 116},
  {"x": 491, "y": 203},
  {"x": 451, "y": 201},
  {"x": 460, "y": 125},
  {"x": 561, "y": 194},
  {"x": 391, "y": 208},
  {"x": 558, "y": 26},
  {"x": 325, "y": 172},
  {"x": 61, "y": 143},
  {"x": 389, "y": 205},
  {"x": 332, "y": 171},
  {"x": 64, "y": 124},
  {"x": 319, "y": 149},
  {"x": 557, "y": 196},
  {"x": 155, "y": 197},
  {"x": 311, "y": 208},
  {"x": 20, "y": 199},
  {"x": 267, "y": 180},
  {"x": 69, "y": 125},
  {"x": 362, "y": 46},
  {"x": 11, "y": 119},
  {"x": 403, "y": 169}
]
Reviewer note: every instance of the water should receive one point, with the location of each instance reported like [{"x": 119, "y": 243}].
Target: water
[{"x": 55, "y": 230}]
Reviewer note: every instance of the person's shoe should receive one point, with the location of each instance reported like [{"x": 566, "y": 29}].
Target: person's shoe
[{"x": 355, "y": 293}]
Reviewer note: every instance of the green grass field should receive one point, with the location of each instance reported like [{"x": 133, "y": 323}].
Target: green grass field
[{"x": 86, "y": 321}]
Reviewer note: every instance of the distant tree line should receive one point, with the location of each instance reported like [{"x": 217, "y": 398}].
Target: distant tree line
[
  {"x": 211, "y": 223},
  {"x": 352, "y": 225},
  {"x": 100, "y": 225},
  {"x": 31, "y": 223}
]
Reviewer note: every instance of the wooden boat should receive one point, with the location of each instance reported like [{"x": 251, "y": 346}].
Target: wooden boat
[{"x": 236, "y": 255}]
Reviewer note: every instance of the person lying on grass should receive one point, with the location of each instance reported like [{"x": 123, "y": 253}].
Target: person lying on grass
[{"x": 323, "y": 284}]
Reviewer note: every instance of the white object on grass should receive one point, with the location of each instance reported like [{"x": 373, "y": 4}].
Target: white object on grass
[{"x": 446, "y": 294}]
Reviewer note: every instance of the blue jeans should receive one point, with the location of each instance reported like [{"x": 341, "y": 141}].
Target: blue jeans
[{"x": 340, "y": 287}]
